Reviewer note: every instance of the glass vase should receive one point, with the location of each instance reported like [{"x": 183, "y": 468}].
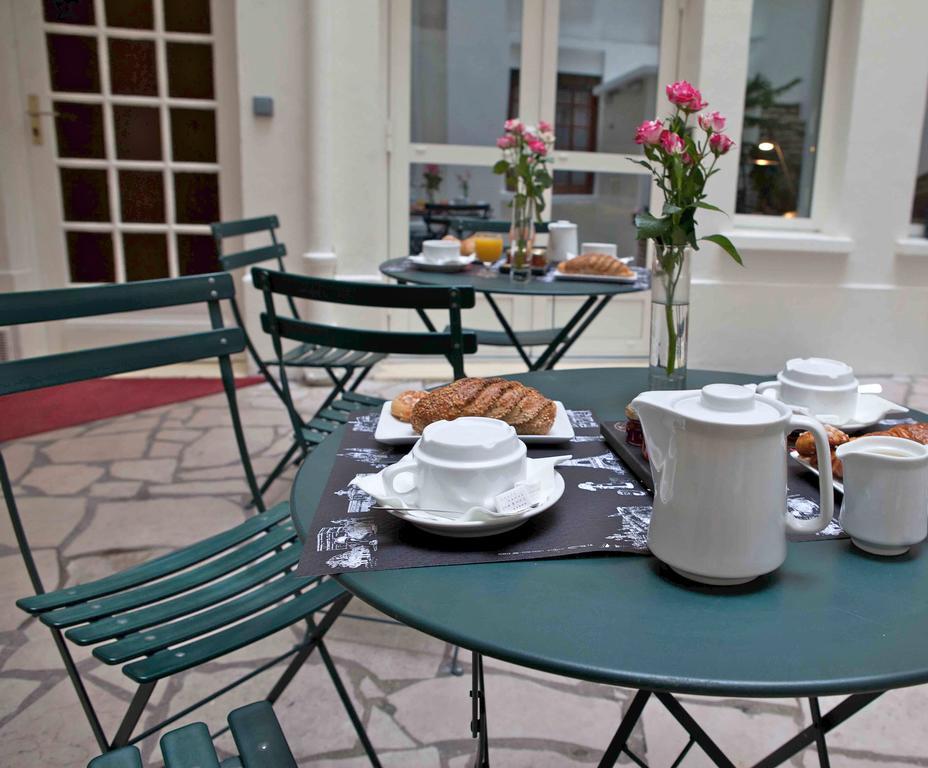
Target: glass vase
[
  {"x": 521, "y": 236},
  {"x": 670, "y": 310}
]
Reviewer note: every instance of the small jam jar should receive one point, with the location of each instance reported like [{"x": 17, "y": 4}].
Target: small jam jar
[{"x": 633, "y": 434}]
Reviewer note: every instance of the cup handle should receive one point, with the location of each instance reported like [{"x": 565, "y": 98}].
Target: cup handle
[
  {"x": 759, "y": 389},
  {"x": 394, "y": 471},
  {"x": 826, "y": 490}
]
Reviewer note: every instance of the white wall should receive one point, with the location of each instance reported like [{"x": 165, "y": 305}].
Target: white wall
[{"x": 845, "y": 290}]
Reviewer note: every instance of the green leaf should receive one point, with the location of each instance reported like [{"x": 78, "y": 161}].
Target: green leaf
[
  {"x": 710, "y": 207},
  {"x": 650, "y": 227},
  {"x": 500, "y": 166},
  {"x": 641, "y": 162},
  {"x": 726, "y": 245},
  {"x": 670, "y": 209}
]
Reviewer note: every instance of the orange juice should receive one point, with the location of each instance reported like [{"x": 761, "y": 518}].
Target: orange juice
[{"x": 488, "y": 248}]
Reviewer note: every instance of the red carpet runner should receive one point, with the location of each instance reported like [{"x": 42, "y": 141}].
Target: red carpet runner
[{"x": 42, "y": 410}]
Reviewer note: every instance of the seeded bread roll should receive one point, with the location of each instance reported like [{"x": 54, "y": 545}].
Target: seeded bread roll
[
  {"x": 595, "y": 264},
  {"x": 525, "y": 408}
]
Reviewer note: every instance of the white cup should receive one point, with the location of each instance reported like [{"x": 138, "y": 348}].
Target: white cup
[
  {"x": 459, "y": 464},
  {"x": 439, "y": 251},
  {"x": 562, "y": 241},
  {"x": 611, "y": 249},
  {"x": 885, "y": 507},
  {"x": 827, "y": 388}
]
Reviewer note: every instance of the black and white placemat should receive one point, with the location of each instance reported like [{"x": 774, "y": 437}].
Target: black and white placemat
[{"x": 604, "y": 509}]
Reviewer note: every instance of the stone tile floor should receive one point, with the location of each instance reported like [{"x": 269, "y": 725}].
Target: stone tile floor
[{"x": 103, "y": 496}]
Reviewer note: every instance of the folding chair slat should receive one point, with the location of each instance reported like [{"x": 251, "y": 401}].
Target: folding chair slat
[
  {"x": 322, "y": 356},
  {"x": 314, "y": 437},
  {"x": 159, "y": 567},
  {"x": 258, "y": 737},
  {"x": 253, "y": 256},
  {"x": 357, "y": 397},
  {"x": 125, "y": 757},
  {"x": 349, "y": 407},
  {"x": 296, "y": 354},
  {"x": 321, "y": 425},
  {"x": 189, "y": 747},
  {"x": 330, "y": 414},
  {"x": 174, "y": 660},
  {"x": 173, "y": 585},
  {"x": 222, "y": 229},
  {"x": 51, "y": 370},
  {"x": 131, "y": 621},
  {"x": 158, "y": 638}
]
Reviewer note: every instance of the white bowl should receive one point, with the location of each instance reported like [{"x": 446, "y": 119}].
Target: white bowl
[{"x": 438, "y": 251}]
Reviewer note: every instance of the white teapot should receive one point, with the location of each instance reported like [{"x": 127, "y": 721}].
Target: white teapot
[{"x": 718, "y": 461}]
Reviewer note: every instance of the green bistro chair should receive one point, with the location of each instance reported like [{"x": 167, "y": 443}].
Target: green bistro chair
[
  {"x": 196, "y": 604},
  {"x": 465, "y": 227},
  {"x": 453, "y": 343},
  {"x": 255, "y": 729},
  {"x": 346, "y": 367}
]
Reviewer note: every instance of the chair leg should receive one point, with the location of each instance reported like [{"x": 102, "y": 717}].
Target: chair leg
[
  {"x": 133, "y": 714},
  {"x": 360, "y": 377},
  {"x": 349, "y": 706}
]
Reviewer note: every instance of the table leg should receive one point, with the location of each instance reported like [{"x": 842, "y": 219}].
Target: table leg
[
  {"x": 694, "y": 730},
  {"x": 579, "y": 332},
  {"x": 478, "y": 720},
  {"x": 547, "y": 358},
  {"x": 619, "y": 742},
  {"x": 508, "y": 330}
]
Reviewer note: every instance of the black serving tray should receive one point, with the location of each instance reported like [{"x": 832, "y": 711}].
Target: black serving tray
[{"x": 614, "y": 434}]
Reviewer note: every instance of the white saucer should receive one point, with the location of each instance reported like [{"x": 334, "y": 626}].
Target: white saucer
[
  {"x": 454, "y": 264},
  {"x": 392, "y": 431},
  {"x": 474, "y": 528},
  {"x": 871, "y": 409}
]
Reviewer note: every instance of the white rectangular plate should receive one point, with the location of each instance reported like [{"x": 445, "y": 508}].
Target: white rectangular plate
[
  {"x": 839, "y": 486},
  {"x": 392, "y": 431},
  {"x": 594, "y": 278}
]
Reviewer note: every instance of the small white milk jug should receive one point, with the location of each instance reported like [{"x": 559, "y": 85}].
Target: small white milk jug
[
  {"x": 718, "y": 461},
  {"x": 562, "y": 241}
]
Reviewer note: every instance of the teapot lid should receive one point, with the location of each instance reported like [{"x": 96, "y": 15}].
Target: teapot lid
[{"x": 729, "y": 404}]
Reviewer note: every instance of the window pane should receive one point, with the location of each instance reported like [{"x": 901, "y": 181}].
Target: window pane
[
  {"x": 193, "y": 135},
  {"x": 197, "y": 197},
  {"x": 134, "y": 14},
  {"x": 84, "y": 194},
  {"x": 190, "y": 70},
  {"x": 920, "y": 202},
  {"x": 68, "y": 11},
  {"x": 141, "y": 196},
  {"x": 72, "y": 63},
  {"x": 138, "y": 133},
  {"x": 79, "y": 129},
  {"x": 146, "y": 255},
  {"x": 196, "y": 254},
  {"x": 461, "y": 185},
  {"x": 462, "y": 54},
  {"x": 186, "y": 16},
  {"x": 606, "y": 214},
  {"x": 782, "y": 107},
  {"x": 132, "y": 67},
  {"x": 90, "y": 257},
  {"x": 607, "y": 57}
]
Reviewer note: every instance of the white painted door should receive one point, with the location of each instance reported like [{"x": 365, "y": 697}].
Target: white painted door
[
  {"x": 592, "y": 68},
  {"x": 121, "y": 103}
]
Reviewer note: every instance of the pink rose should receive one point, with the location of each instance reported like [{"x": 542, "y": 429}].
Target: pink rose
[
  {"x": 687, "y": 158},
  {"x": 719, "y": 143},
  {"x": 537, "y": 146},
  {"x": 696, "y": 103},
  {"x": 649, "y": 132},
  {"x": 513, "y": 125},
  {"x": 672, "y": 143},
  {"x": 544, "y": 126},
  {"x": 681, "y": 93},
  {"x": 712, "y": 122},
  {"x": 504, "y": 142}
]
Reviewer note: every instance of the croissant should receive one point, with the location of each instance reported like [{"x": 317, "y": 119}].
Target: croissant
[
  {"x": 595, "y": 264},
  {"x": 805, "y": 445},
  {"x": 525, "y": 408}
]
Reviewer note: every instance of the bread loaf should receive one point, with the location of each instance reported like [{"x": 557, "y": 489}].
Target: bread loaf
[
  {"x": 595, "y": 264},
  {"x": 525, "y": 408}
]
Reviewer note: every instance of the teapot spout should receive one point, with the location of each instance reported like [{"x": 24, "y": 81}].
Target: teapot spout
[{"x": 655, "y": 411}]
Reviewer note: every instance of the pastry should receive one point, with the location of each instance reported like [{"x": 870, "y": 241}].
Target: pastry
[
  {"x": 402, "y": 405},
  {"x": 525, "y": 408},
  {"x": 805, "y": 444},
  {"x": 595, "y": 264},
  {"x": 468, "y": 246}
]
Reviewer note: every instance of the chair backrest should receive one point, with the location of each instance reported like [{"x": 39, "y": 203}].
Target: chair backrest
[
  {"x": 465, "y": 226},
  {"x": 453, "y": 343},
  {"x": 273, "y": 250},
  {"x": 50, "y": 370}
]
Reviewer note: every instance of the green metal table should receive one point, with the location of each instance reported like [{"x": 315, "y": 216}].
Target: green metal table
[
  {"x": 831, "y": 620},
  {"x": 556, "y": 341}
]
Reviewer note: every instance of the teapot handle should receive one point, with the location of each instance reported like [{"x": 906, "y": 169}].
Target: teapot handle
[
  {"x": 392, "y": 472},
  {"x": 825, "y": 487}
]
